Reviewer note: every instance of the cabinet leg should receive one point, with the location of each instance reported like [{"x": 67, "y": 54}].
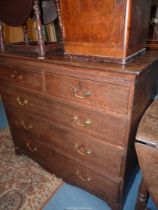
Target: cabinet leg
[
  {"x": 142, "y": 197},
  {"x": 1, "y": 37},
  {"x": 17, "y": 151},
  {"x": 41, "y": 43},
  {"x": 26, "y": 39}
]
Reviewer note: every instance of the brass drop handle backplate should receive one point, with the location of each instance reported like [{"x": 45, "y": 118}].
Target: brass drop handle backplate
[
  {"x": 16, "y": 75},
  {"x": 82, "y": 150},
  {"x": 83, "y": 95},
  {"x": 26, "y": 125},
  {"x": 13, "y": 75},
  {"x": 20, "y": 77},
  {"x": 83, "y": 177},
  {"x": 85, "y": 123},
  {"x": 21, "y": 101},
  {"x": 31, "y": 148}
]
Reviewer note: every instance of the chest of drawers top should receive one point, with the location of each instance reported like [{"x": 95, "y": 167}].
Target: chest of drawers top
[
  {"x": 104, "y": 86},
  {"x": 135, "y": 67},
  {"x": 20, "y": 66},
  {"x": 31, "y": 72}
]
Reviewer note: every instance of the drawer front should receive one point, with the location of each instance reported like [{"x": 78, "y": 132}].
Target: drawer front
[
  {"x": 105, "y": 126},
  {"x": 22, "y": 99},
  {"x": 22, "y": 78},
  {"x": 97, "y": 94},
  {"x": 104, "y": 158},
  {"x": 70, "y": 170}
]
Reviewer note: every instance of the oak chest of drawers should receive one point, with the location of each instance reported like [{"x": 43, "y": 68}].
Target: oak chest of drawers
[{"x": 78, "y": 119}]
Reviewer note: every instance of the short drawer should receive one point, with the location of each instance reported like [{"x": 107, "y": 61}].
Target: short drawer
[
  {"x": 22, "y": 78},
  {"x": 70, "y": 170},
  {"x": 102, "y": 157},
  {"x": 22, "y": 99},
  {"x": 97, "y": 94}
]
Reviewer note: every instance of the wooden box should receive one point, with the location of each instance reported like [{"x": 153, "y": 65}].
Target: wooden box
[
  {"x": 152, "y": 41},
  {"x": 112, "y": 30}
]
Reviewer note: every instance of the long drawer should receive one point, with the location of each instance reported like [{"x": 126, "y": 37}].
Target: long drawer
[
  {"x": 23, "y": 78},
  {"x": 69, "y": 169},
  {"x": 95, "y": 94},
  {"x": 102, "y": 157},
  {"x": 105, "y": 126}
]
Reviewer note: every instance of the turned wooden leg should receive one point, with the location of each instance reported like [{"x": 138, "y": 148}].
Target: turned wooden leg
[
  {"x": 142, "y": 198},
  {"x": 1, "y": 37},
  {"x": 17, "y": 151},
  {"x": 41, "y": 43},
  {"x": 26, "y": 39},
  {"x": 60, "y": 33}
]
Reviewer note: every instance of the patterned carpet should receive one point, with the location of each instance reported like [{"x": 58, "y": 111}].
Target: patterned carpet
[{"x": 24, "y": 185}]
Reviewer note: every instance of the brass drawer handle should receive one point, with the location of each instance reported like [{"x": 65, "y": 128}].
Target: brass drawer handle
[
  {"x": 26, "y": 125},
  {"x": 87, "y": 122},
  {"x": 81, "y": 149},
  {"x": 13, "y": 75},
  {"x": 21, "y": 101},
  {"x": 31, "y": 148},
  {"x": 83, "y": 178},
  {"x": 20, "y": 77},
  {"x": 84, "y": 95}
]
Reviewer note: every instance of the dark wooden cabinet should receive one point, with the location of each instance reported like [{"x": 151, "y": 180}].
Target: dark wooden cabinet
[
  {"x": 152, "y": 41},
  {"x": 112, "y": 30},
  {"x": 79, "y": 118}
]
